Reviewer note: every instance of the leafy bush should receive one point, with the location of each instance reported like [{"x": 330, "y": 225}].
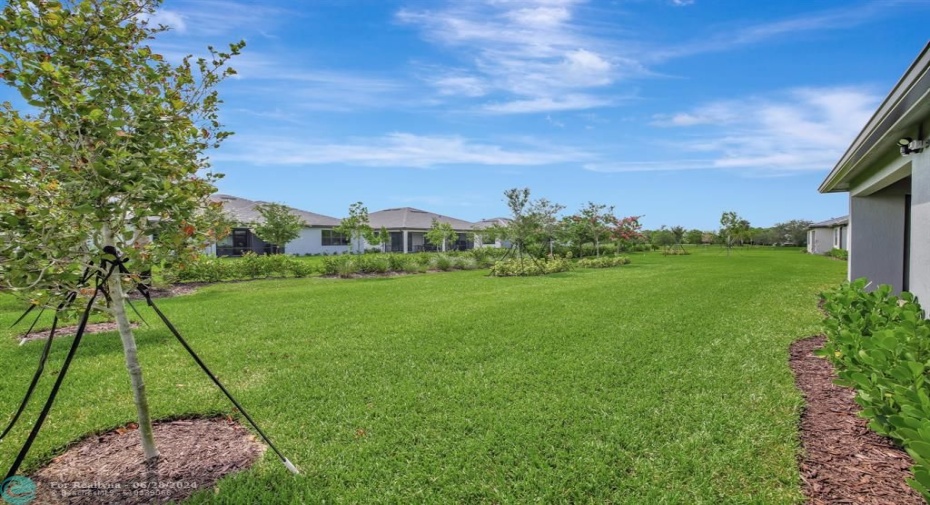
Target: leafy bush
[
  {"x": 603, "y": 262},
  {"x": 880, "y": 345},
  {"x": 529, "y": 266},
  {"x": 205, "y": 268},
  {"x": 442, "y": 262},
  {"x": 840, "y": 254}
]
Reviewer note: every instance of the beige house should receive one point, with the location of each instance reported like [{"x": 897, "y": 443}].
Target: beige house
[{"x": 886, "y": 171}]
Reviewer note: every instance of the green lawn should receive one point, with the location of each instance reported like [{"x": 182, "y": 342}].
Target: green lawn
[{"x": 663, "y": 381}]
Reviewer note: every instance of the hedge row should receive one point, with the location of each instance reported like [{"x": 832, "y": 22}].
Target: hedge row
[
  {"x": 347, "y": 265},
  {"x": 880, "y": 345},
  {"x": 206, "y": 268},
  {"x": 603, "y": 262}
]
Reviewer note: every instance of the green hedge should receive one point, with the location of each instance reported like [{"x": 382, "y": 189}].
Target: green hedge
[
  {"x": 880, "y": 345},
  {"x": 515, "y": 267},
  {"x": 205, "y": 268},
  {"x": 603, "y": 262},
  {"x": 348, "y": 265}
]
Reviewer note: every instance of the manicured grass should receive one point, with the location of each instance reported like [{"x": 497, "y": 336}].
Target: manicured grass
[{"x": 663, "y": 381}]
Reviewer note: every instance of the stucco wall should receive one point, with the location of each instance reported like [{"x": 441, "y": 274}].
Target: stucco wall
[
  {"x": 310, "y": 241},
  {"x": 819, "y": 240},
  {"x": 876, "y": 246},
  {"x": 920, "y": 228}
]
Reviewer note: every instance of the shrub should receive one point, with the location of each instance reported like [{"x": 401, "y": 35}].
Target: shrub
[
  {"x": 880, "y": 345},
  {"x": 840, "y": 254},
  {"x": 441, "y": 262},
  {"x": 603, "y": 262},
  {"x": 529, "y": 266}
]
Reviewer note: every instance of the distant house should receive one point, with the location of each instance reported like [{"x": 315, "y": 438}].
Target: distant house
[
  {"x": 484, "y": 224},
  {"x": 318, "y": 237},
  {"x": 407, "y": 228},
  {"x": 886, "y": 171},
  {"x": 827, "y": 235}
]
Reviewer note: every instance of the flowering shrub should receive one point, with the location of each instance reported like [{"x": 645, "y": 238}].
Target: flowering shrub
[
  {"x": 603, "y": 262},
  {"x": 880, "y": 345}
]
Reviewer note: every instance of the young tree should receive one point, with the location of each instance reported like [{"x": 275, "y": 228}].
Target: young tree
[
  {"x": 382, "y": 238},
  {"x": 626, "y": 231},
  {"x": 679, "y": 233},
  {"x": 356, "y": 225},
  {"x": 278, "y": 226},
  {"x": 664, "y": 238},
  {"x": 595, "y": 222},
  {"x": 440, "y": 234},
  {"x": 544, "y": 214},
  {"x": 115, "y": 143},
  {"x": 732, "y": 228}
]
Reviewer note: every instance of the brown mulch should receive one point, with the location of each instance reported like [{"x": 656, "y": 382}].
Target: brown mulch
[
  {"x": 68, "y": 331},
  {"x": 109, "y": 468},
  {"x": 843, "y": 461}
]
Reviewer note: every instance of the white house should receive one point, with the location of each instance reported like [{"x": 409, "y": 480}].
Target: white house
[
  {"x": 407, "y": 228},
  {"x": 886, "y": 171},
  {"x": 488, "y": 223},
  {"x": 317, "y": 237},
  {"x": 827, "y": 235}
]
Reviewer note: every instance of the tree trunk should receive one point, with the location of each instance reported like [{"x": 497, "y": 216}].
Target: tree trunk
[{"x": 132, "y": 362}]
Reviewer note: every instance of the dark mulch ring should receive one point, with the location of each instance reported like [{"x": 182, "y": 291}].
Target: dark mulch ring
[
  {"x": 109, "y": 468},
  {"x": 843, "y": 461}
]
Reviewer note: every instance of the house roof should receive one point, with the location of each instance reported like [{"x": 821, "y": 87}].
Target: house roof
[
  {"x": 899, "y": 116},
  {"x": 487, "y": 223},
  {"x": 244, "y": 211},
  {"x": 416, "y": 219},
  {"x": 830, "y": 223}
]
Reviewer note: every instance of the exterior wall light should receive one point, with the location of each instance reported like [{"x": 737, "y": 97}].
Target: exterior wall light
[{"x": 911, "y": 146}]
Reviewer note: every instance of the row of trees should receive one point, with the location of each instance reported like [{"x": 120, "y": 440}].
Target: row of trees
[
  {"x": 734, "y": 230},
  {"x": 535, "y": 225}
]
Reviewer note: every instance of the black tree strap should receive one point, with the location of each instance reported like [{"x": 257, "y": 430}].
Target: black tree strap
[
  {"x": 142, "y": 288},
  {"x": 46, "y": 350},
  {"x": 290, "y": 466},
  {"x": 37, "y": 375},
  {"x": 101, "y": 282}
]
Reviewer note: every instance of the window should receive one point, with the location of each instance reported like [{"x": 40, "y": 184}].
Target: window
[{"x": 332, "y": 237}]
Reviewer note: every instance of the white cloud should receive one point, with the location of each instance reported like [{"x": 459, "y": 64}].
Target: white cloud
[
  {"x": 798, "y": 130},
  {"x": 224, "y": 17},
  {"x": 728, "y": 37},
  {"x": 393, "y": 150},
  {"x": 526, "y": 54},
  {"x": 171, "y": 19},
  {"x": 546, "y": 104}
]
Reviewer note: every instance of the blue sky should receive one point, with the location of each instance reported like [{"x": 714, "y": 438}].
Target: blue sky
[{"x": 673, "y": 109}]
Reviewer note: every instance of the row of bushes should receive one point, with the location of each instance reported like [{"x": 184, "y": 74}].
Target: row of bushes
[
  {"x": 603, "y": 262},
  {"x": 347, "y": 266},
  {"x": 880, "y": 345},
  {"x": 206, "y": 268}
]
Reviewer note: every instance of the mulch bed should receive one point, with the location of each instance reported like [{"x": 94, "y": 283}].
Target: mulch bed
[
  {"x": 843, "y": 461},
  {"x": 109, "y": 468}
]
